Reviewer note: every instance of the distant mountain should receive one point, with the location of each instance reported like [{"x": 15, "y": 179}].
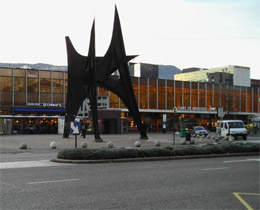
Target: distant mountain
[
  {"x": 40, "y": 66},
  {"x": 161, "y": 71},
  {"x": 168, "y": 71}
]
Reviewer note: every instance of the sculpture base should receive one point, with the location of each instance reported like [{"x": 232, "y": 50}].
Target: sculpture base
[{"x": 98, "y": 140}]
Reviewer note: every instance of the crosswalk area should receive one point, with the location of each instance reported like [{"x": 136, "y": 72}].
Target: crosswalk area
[{"x": 29, "y": 164}]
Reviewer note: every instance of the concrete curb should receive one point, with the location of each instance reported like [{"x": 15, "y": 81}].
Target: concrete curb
[{"x": 57, "y": 160}]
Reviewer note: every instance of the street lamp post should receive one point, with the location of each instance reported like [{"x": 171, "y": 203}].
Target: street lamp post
[{"x": 174, "y": 116}]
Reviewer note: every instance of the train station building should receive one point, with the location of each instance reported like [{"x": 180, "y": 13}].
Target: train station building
[{"x": 33, "y": 101}]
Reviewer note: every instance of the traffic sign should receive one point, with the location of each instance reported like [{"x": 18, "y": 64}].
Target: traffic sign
[{"x": 75, "y": 128}]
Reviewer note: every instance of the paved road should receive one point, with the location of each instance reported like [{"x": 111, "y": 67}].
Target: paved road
[
  {"x": 30, "y": 181},
  {"x": 177, "y": 184}
]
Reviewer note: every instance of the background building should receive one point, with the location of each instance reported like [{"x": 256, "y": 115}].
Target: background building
[
  {"x": 33, "y": 101},
  {"x": 240, "y": 75},
  {"x": 153, "y": 71}
]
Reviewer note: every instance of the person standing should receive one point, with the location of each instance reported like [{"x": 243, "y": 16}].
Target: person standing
[{"x": 83, "y": 131}]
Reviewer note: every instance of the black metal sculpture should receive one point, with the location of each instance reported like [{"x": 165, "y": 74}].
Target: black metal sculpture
[{"x": 85, "y": 73}]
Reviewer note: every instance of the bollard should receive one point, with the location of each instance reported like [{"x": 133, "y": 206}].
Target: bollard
[
  {"x": 84, "y": 145},
  {"x": 110, "y": 144},
  {"x": 157, "y": 143},
  {"x": 23, "y": 145},
  {"x": 53, "y": 145},
  {"x": 138, "y": 144}
]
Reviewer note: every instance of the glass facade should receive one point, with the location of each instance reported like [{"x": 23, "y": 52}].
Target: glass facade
[
  {"x": 47, "y": 89},
  {"x": 31, "y": 88}
]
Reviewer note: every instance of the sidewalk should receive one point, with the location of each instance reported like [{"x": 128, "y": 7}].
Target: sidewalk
[{"x": 41, "y": 143}]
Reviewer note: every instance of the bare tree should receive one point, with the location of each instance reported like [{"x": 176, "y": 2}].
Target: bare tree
[{"x": 227, "y": 96}]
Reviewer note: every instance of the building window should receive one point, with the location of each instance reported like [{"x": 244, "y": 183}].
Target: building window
[
  {"x": 57, "y": 98},
  {"x": 5, "y": 83},
  {"x": 19, "y": 84},
  {"x": 32, "y": 73},
  {"x": 19, "y": 73},
  {"x": 143, "y": 94},
  {"x": 57, "y": 75},
  {"x": 161, "y": 94},
  {"x": 170, "y": 95},
  {"x": 19, "y": 99},
  {"x": 5, "y": 72},
  {"x": 32, "y": 85},
  {"x": 45, "y": 85},
  {"x": 152, "y": 94},
  {"x": 57, "y": 86},
  {"x": 45, "y": 74},
  {"x": 33, "y": 97}
]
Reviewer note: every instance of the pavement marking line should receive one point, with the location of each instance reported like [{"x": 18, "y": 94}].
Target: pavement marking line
[
  {"x": 242, "y": 200},
  {"x": 211, "y": 169},
  {"x": 237, "y": 161},
  {"x": 29, "y": 164},
  {"x": 53, "y": 181}
]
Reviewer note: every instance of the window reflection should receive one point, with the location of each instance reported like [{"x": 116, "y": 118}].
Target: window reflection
[
  {"x": 19, "y": 73},
  {"x": 57, "y": 86},
  {"x": 58, "y": 98},
  {"x": 19, "y": 99},
  {"x": 57, "y": 75},
  {"x": 45, "y": 74},
  {"x": 5, "y": 72},
  {"x": 45, "y": 98},
  {"x": 32, "y": 73},
  {"x": 33, "y": 97},
  {"x": 152, "y": 94},
  {"x": 45, "y": 85},
  {"x": 202, "y": 94},
  {"x": 143, "y": 96},
  {"x": 6, "y": 98},
  {"x": 19, "y": 84},
  {"x": 32, "y": 85},
  {"x": 178, "y": 93},
  {"x": 113, "y": 100},
  {"x": 5, "y": 83}
]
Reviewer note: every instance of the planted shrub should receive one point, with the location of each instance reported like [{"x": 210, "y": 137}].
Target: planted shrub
[
  {"x": 75, "y": 154},
  {"x": 186, "y": 150},
  {"x": 113, "y": 153},
  {"x": 154, "y": 152},
  {"x": 129, "y": 153}
]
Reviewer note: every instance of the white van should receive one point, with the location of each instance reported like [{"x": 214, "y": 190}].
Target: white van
[{"x": 231, "y": 127}]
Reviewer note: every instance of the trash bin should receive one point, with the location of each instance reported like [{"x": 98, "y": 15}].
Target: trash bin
[
  {"x": 188, "y": 135},
  {"x": 183, "y": 132}
]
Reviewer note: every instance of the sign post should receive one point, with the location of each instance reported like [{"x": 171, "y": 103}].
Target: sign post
[
  {"x": 75, "y": 130},
  {"x": 174, "y": 116}
]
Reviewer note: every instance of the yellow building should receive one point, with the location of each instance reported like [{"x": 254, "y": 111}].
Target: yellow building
[{"x": 241, "y": 75}]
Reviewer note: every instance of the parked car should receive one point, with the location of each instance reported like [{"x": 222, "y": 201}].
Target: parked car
[
  {"x": 234, "y": 128},
  {"x": 199, "y": 130}
]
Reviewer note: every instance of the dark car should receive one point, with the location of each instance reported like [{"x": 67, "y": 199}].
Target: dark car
[{"x": 199, "y": 130}]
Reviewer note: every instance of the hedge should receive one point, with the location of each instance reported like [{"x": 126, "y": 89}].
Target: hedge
[{"x": 116, "y": 153}]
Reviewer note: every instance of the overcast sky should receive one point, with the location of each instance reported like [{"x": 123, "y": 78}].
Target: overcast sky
[{"x": 184, "y": 33}]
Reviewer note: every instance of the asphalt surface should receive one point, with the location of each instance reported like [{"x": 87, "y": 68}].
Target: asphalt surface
[
  {"x": 180, "y": 184},
  {"x": 29, "y": 180}
]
